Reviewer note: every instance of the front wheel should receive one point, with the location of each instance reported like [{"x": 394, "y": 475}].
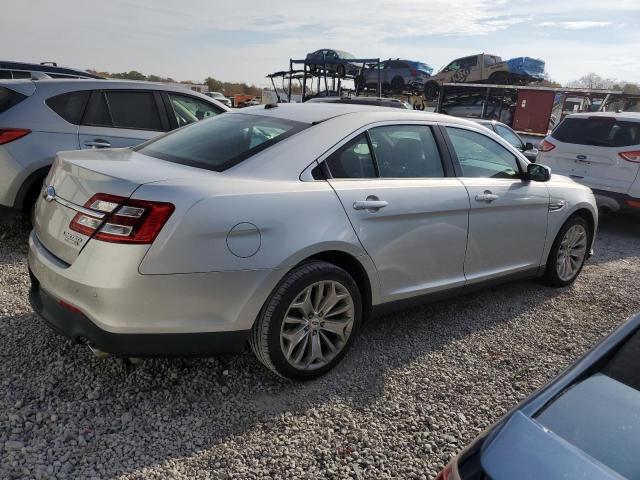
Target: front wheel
[
  {"x": 309, "y": 322},
  {"x": 568, "y": 253}
]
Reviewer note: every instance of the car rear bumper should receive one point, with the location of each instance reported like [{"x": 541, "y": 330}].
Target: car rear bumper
[
  {"x": 617, "y": 202},
  {"x": 76, "y": 326},
  {"x": 103, "y": 298}
]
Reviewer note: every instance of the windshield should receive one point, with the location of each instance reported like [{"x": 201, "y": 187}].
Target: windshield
[
  {"x": 221, "y": 142},
  {"x": 598, "y": 131},
  {"x": 343, "y": 54}
]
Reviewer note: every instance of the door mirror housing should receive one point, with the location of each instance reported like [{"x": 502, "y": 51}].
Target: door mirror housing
[
  {"x": 538, "y": 173},
  {"x": 528, "y": 146}
]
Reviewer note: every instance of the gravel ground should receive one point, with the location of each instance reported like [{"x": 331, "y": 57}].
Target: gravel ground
[{"x": 417, "y": 386}]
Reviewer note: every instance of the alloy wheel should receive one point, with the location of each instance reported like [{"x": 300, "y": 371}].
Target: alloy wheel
[
  {"x": 572, "y": 252},
  {"x": 317, "y": 325}
]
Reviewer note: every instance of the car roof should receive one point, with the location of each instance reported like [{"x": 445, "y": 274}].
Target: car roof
[
  {"x": 54, "y": 86},
  {"x": 486, "y": 121},
  {"x": 44, "y": 68},
  {"x": 346, "y": 99},
  {"x": 635, "y": 116},
  {"x": 317, "y": 112},
  {"x": 91, "y": 84}
]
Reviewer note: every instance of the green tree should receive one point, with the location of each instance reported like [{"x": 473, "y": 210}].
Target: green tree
[
  {"x": 132, "y": 75},
  {"x": 213, "y": 84}
]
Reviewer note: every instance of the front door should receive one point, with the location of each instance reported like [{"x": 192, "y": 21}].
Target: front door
[
  {"x": 410, "y": 217},
  {"x": 508, "y": 215}
]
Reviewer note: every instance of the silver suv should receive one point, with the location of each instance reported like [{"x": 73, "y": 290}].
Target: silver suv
[{"x": 40, "y": 118}]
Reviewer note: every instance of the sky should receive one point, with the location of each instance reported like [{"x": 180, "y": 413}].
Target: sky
[{"x": 243, "y": 40}]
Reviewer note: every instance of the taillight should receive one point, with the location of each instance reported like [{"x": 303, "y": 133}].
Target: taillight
[
  {"x": 10, "y": 134},
  {"x": 633, "y": 203},
  {"x": 632, "y": 156},
  {"x": 546, "y": 146},
  {"x": 413, "y": 72},
  {"x": 126, "y": 220}
]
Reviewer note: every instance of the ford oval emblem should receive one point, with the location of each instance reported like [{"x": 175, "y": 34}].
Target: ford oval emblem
[{"x": 49, "y": 193}]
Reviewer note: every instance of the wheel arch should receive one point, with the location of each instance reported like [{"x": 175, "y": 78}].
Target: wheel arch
[
  {"x": 353, "y": 266},
  {"x": 27, "y": 189},
  {"x": 591, "y": 220}
]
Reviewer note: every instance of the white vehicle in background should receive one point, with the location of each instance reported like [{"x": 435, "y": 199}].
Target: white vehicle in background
[
  {"x": 602, "y": 151},
  {"x": 219, "y": 97}
]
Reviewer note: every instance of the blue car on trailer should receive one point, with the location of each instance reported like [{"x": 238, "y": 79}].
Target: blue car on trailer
[{"x": 585, "y": 424}]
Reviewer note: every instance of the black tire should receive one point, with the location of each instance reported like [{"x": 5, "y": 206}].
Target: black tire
[
  {"x": 341, "y": 71},
  {"x": 265, "y": 337},
  {"x": 431, "y": 90},
  {"x": 551, "y": 276},
  {"x": 499, "y": 78},
  {"x": 313, "y": 68},
  {"x": 360, "y": 83},
  {"x": 397, "y": 85}
]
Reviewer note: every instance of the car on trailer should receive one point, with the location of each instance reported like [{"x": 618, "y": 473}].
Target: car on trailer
[
  {"x": 486, "y": 68},
  {"x": 335, "y": 61},
  {"x": 397, "y": 75}
]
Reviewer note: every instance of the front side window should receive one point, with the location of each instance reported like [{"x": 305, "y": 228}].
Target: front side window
[
  {"x": 480, "y": 156},
  {"x": 189, "y": 110},
  {"x": 509, "y": 136},
  {"x": 222, "y": 141},
  {"x": 352, "y": 160},
  {"x": 406, "y": 151}
]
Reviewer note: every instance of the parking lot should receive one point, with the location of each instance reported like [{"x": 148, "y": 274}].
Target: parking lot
[{"x": 417, "y": 387}]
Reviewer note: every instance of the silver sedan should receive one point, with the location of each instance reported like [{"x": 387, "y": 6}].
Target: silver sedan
[{"x": 285, "y": 227}]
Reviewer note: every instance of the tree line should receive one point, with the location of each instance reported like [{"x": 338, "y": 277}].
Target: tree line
[{"x": 214, "y": 85}]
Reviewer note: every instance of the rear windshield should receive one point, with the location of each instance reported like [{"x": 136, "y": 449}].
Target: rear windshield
[
  {"x": 598, "y": 131},
  {"x": 9, "y": 98},
  {"x": 222, "y": 141}
]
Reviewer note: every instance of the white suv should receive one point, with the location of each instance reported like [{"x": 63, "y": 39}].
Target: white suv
[{"x": 602, "y": 151}]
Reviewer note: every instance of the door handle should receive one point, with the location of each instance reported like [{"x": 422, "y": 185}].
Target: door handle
[
  {"x": 487, "y": 196},
  {"x": 372, "y": 204},
  {"x": 97, "y": 143}
]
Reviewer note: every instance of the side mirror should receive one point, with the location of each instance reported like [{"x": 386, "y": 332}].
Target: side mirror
[
  {"x": 528, "y": 146},
  {"x": 538, "y": 173}
]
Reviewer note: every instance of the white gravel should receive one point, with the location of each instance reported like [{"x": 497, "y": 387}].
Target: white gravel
[{"x": 417, "y": 386}]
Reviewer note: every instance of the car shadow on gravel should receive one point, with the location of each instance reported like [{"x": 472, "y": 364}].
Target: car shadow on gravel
[
  {"x": 617, "y": 236},
  {"x": 178, "y": 407}
]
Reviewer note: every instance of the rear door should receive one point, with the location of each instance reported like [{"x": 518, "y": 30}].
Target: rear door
[
  {"x": 406, "y": 206},
  {"x": 595, "y": 151},
  {"x": 122, "y": 118},
  {"x": 508, "y": 215}
]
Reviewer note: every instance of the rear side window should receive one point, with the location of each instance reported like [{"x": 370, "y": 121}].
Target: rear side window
[
  {"x": 222, "y": 141},
  {"x": 123, "y": 109},
  {"x": 69, "y": 106},
  {"x": 9, "y": 98},
  {"x": 134, "y": 110},
  {"x": 598, "y": 131},
  {"x": 352, "y": 160},
  {"x": 406, "y": 151}
]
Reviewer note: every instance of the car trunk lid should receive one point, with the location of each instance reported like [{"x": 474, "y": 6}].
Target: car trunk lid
[{"x": 76, "y": 177}]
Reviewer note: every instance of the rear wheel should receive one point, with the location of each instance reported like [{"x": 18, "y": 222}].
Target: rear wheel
[
  {"x": 341, "y": 71},
  {"x": 309, "y": 322},
  {"x": 568, "y": 253},
  {"x": 397, "y": 85},
  {"x": 499, "y": 78},
  {"x": 431, "y": 90}
]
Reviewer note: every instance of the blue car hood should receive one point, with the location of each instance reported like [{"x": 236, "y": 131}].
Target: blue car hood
[{"x": 524, "y": 449}]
